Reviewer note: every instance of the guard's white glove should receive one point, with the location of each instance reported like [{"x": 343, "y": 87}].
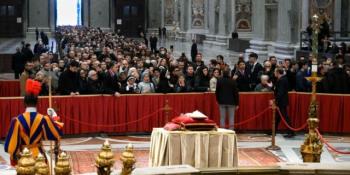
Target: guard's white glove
[{"x": 51, "y": 112}]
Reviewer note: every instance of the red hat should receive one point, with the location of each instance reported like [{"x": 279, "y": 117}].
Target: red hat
[{"x": 33, "y": 87}]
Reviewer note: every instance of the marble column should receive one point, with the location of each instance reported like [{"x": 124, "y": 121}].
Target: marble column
[
  {"x": 162, "y": 14},
  {"x": 222, "y": 18},
  {"x": 258, "y": 44},
  {"x": 85, "y": 13},
  {"x": 52, "y": 21},
  {"x": 287, "y": 20},
  {"x": 305, "y": 14}
]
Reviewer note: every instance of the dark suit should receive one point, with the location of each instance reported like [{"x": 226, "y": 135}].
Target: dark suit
[
  {"x": 110, "y": 84},
  {"x": 18, "y": 63},
  {"x": 194, "y": 52},
  {"x": 226, "y": 92},
  {"x": 253, "y": 72},
  {"x": 153, "y": 41},
  {"x": 68, "y": 82},
  {"x": 281, "y": 97}
]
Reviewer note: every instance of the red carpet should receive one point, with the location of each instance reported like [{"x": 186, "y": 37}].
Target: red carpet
[{"x": 84, "y": 161}]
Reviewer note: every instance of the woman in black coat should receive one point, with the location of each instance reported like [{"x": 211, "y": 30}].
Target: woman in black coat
[{"x": 201, "y": 83}]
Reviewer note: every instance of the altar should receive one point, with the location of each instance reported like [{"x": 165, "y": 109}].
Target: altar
[{"x": 200, "y": 149}]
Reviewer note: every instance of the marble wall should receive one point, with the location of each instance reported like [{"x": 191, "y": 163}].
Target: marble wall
[
  {"x": 100, "y": 12},
  {"x": 38, "y": 12}
]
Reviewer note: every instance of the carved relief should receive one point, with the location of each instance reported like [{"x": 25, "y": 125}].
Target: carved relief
[
  {"x": 243, "y": 15},
  {"x": 169, "y": 12},
  {"x": 197, "y": 13}
]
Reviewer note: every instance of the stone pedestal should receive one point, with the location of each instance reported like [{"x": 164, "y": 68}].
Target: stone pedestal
[
  {"x": 259, "y": 47},
  {"x": 283, "y": 51}
]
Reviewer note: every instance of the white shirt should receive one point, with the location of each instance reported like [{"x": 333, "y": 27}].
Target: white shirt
[{"x": 31, "y": 109}]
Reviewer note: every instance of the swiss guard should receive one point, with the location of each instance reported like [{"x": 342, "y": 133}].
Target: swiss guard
[{"x": 28, "y": 129}]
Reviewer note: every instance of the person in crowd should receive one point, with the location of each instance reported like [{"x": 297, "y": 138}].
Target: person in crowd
[
  {"x": 83, "y": 82},
  {"x": 337, "y": 79},
  {"x": 26, "y": 74},
  {"x": 291, "y": 71},
  {"x": 264, "y": 85},
  {"x": 241, "y": 76},
  {"x": 18, "y": 63},
  {"x": 39, "y": 48},
  {"x": 302, "y": 84},
  {"x": 68, "y": 83},
  {"x": 27, "y": 52},
  {"x": 131, "y": 86},
  {"x": 164, "y": 32},
  {"x": 199, "y": 63},
  {"x": 267, "y": 70},
  {"x": 214, "y": 79},
  {"x": 273, "y": 61},
  {"x": 180, "y": 86},
  {"x": 164, "y": 85},
  {"x": 281, "y": 99},
  {"x": 253, "y": 69},
  {"x": 194, "y": 50},
  {"x": 228, "y": 99},
  {"x": 111, "y": 85},
  {"x": 190, "y": 78},
  {"x": 94, "y": 85},
  {"x": 202, "y": 79},
  {"x": 146, "y": 86},
  {"x": 153, "y": 40},
  {"x": 221, "y": 62}
]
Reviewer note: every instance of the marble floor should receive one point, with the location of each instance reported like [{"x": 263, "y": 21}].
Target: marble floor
[{"x": 251, "y": 149}]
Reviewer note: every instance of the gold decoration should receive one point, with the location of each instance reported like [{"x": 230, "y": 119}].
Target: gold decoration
[
  {"x": 62, "y": 165},
  {"x": 41, "y": 168},
  {"x": 311, "y": 150},
  {"x": 128, "y": 160},
  {"x": 26, "y": 164},
  {"x": 105, "y": 159},
  {"x": 273, "y": 145}
]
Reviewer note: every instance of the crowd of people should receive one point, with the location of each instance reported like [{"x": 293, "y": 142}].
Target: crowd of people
[{"x": 92, "y": 61}]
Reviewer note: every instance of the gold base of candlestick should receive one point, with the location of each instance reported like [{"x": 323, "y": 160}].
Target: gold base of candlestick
[
  {"x": 311, "y": 150},
  {"x": 105, "y": 160}
]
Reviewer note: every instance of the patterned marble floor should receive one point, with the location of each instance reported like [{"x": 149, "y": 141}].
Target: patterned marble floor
[{"x": 251, "y": 149}]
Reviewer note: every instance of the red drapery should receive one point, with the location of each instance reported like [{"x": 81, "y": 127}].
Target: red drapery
[
  {"x": 90, "y": 114},
  {"x": 9, "y": 88}
]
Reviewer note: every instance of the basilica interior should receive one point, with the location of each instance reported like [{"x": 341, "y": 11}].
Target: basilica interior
[{"x": 123, "y": 132}]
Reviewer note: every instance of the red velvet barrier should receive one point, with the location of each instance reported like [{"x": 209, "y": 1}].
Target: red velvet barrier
[
  {"x": 9, "y": 88},
  {"x": 93, "y": 114}
]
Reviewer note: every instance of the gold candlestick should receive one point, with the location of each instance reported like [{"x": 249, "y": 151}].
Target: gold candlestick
[
  {"x": 128, "y": 160},
  {"x": 105, "y": 160},
  {"x": 312, "y": 148},
  {"x": 62, "y": 165},
  {"x": 26, "y": 164},
  {"x": 41, "y": 168}
]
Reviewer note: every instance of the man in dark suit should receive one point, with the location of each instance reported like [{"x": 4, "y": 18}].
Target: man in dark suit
[
  {"x": 68, "y": 83},
  {"x": 18, "y": 63},
  {"x": 227, "y": 98},
  {"x": 253, "y": 69},
  {"x": 194, "y": 50},
  {"x": 110, "y": 82},
  {"x": 281, "y": 97},
  {"x": 153, "y": 40}
]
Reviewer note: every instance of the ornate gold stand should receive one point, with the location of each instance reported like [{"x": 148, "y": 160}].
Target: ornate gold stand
[
  {"x": 105, "y": 160},
  {"x": 26, "y": 164},
  {"x": 128, "y": 160},
  {"x": 62, "y": 165},
  {"x": 41, "y": 167},
  {"x": 312, "y": 148}
]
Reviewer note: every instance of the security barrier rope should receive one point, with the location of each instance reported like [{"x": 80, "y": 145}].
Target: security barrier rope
[
  {"x": 288, "y": 126},
  {"x": 328, "y": 145},
  {"x": 116, "y": 125}
]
